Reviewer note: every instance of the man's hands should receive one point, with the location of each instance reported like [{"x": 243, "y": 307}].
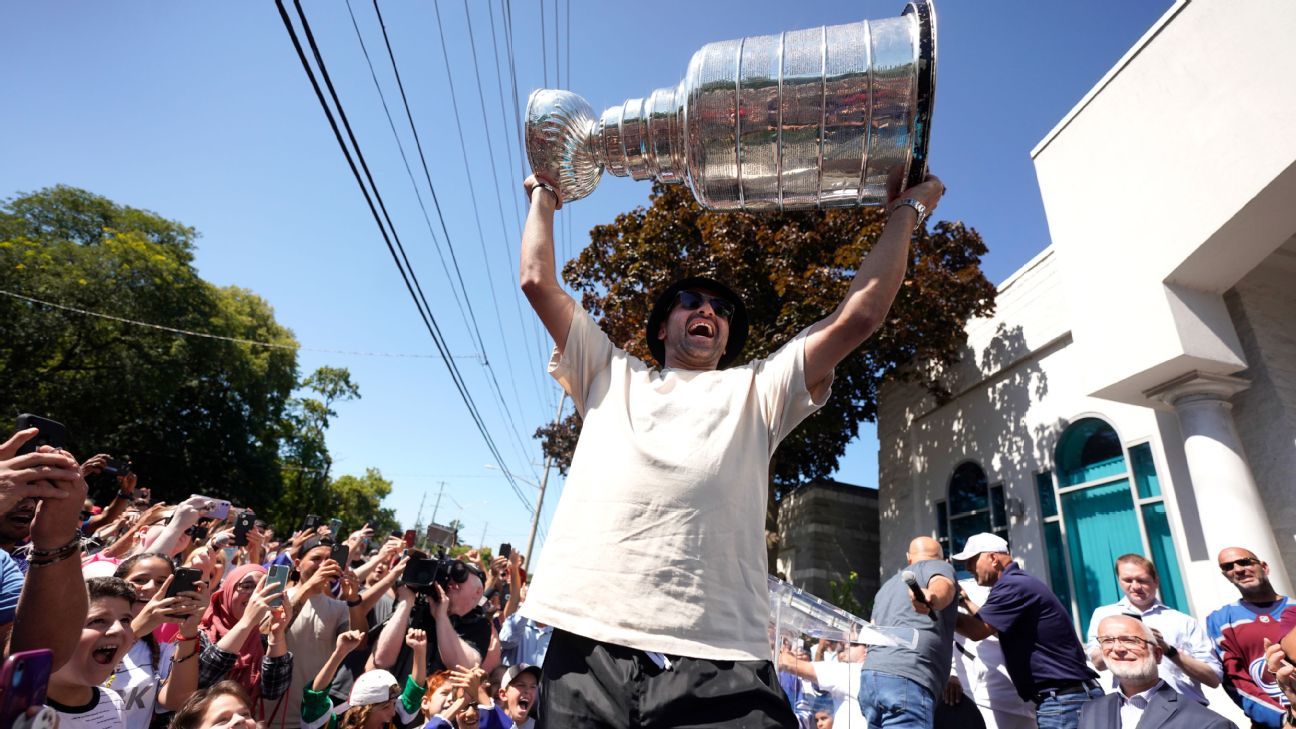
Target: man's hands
[
  {"x": 323, "y": 577},
  {"x": 548, "y": 198},
  {"x": 928, "y": 192},
  {"x": 34, "y": 475},
  {"x": 953, "y": 692},
  {"x": 1283, "y": 670}
]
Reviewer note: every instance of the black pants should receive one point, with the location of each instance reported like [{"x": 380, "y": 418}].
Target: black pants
[{"x": 588, "y": 684}]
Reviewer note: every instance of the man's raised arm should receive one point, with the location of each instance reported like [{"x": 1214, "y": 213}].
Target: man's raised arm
[
  {"x": 539, "y": 275},
  {"x": 874, "y": 288}
]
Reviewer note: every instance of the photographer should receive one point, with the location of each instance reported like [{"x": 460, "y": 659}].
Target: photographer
[
  {"x": 441, "y": 596},
  {"x": 318, "y": 618}
]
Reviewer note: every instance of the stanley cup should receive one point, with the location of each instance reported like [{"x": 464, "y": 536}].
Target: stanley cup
[{"x": 827, "y": 117}]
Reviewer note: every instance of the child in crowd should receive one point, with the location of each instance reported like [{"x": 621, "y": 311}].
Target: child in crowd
[
  {"x": 74, "y": 690},
  {"x": 515, "y": 700},
  {"x": 160, "y": 671},
  {"x": 376, "y": 700},
  {"x": 224, "y": 705}
]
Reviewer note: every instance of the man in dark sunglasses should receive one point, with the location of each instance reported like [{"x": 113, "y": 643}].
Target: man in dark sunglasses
[
  {"x": 653, "y": 574},
  {"x": 1240, "y": 631}
]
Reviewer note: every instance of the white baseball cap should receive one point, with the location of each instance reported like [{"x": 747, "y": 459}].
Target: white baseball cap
[
  {"x": 516, "y": 670},
  {"x": 373, "y": 687},
  {"x": 983, "y": 542}
]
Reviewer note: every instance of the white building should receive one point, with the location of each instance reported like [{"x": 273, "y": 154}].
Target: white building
[{"x": 1136, "y": 389}]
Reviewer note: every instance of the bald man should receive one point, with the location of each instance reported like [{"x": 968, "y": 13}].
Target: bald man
[
  {"x": 899, "y": 686},
  {"x": 1239, "y": 631}
]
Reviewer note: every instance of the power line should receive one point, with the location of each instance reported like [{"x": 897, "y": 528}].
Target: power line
[
  {"x": 481, "y": 344},
  {"x": 220, "y": 337},
  {"x": 419, "y": 195},
  {"x": 429, "y": 320},
  {"x": 472, "y": 194}
]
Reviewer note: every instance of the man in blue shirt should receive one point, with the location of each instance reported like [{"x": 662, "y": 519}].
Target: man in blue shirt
[{"x": 1042, "y": 653}]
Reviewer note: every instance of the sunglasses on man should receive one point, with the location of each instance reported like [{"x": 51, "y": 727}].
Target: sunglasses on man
[
  {"x": 1244, "y": 562},
  {"x": 692, "y": 301}
]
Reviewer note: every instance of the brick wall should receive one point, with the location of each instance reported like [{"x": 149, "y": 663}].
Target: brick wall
[{"x": 827, "y": 530}]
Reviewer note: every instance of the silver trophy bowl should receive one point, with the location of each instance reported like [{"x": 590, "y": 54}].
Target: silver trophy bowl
[{"x": 835, "y": 116}]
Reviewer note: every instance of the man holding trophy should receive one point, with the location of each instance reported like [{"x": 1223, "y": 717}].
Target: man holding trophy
[{"x": 654, "y": 572}]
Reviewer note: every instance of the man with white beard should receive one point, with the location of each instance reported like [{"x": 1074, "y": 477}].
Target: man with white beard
[{"x": 1144, "y": 701}]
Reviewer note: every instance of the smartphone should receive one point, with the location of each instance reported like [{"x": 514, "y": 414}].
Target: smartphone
[
  {"x": 505, "y": 549},
  {"x": 117, "y": 467},
  {"x": 23, "y": 680},
  {"x": 335, "y": 528},
  {"x": 51, "y": 433},
  {"x": 219, "y": 509},
  {"x": 197, "y": 532},
  {"x": 278, "y": 576},
  {"x": 408, "y": 537},
  {"x": 341, "y": 554},
  {"x": 186, "y": 579},
  {"x": 243, "y": 523},
  {"x": 312, "y": 522}
]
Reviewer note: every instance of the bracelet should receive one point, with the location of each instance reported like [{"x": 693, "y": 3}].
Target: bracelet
[
  {"x": 124, "y": 495},
  {"x": 1171, "y": 652},
  {"x": 182, "y": 639},
  {"x": 178, "y": 661},
  {"x": 917, "y": 205},
  {"x": 74, "y": 543},
  {"x": 37, "y": 564},
  {"x": 353, "y": 603}
]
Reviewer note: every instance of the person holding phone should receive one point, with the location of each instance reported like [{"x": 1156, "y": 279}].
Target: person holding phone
[
  {"x": 159, "y": 673},
  {"x": 318, "y": 617},
  {"x": 76, "y": 690},
  {"x": 261, "y": 665},
  {"x": 45, "y": 491}
]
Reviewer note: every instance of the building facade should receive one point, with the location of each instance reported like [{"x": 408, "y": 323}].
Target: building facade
[
  {"x": 827, "y": 530},
  {"x": 1135, "y": 390}
]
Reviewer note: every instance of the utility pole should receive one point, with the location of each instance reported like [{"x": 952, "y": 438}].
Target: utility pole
[
  {"x": 544, "y": 481},
  {"x": 437, "y": 505},
  {"x": 483, "y": 539}
]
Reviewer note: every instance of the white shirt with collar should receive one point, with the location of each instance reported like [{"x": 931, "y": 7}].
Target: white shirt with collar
[
  {"x": 1178, "y": 629},
  {"x": 1132, "y": 707}
]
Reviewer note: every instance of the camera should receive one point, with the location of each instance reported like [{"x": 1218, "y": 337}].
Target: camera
[{"x": 423, "y": 572}]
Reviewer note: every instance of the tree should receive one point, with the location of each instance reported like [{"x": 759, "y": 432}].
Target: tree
[
  {"x": 197, "y": 415},
  {"x": 357, "y": 500},
  {"x": 306, "y": 461},
  {"x": 792, "y": 270}
]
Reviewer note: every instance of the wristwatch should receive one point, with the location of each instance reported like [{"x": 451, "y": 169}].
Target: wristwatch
[
  {"x": 916, "y": 204},
  {"x": 1171, "y": 652}
]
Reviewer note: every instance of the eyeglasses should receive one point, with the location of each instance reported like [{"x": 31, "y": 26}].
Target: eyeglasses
[
  {"x": 1128, "y": 642},
  {"x": 1244, "y": 562},
  {"x": 692, "y": 300}
]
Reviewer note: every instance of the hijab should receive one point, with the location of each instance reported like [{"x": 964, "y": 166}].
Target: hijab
[{"x": 218, "y": 620}]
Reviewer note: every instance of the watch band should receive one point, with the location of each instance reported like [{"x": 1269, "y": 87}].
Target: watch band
[{"x": 917, "y": 205}]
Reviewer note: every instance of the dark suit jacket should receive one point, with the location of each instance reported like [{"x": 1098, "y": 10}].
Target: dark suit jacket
[{"x": 1167, "y": 709}]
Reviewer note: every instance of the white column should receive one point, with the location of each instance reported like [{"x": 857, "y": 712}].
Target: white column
[{"x": 1232, "y": 512}]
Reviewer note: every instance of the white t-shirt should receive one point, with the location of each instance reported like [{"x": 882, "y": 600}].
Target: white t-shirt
[
  {"x": 104, "y": 711},
  {"x": 311, "y": 639},
  {"x": 658, "y": 542},
  {"x": 136, "y": 681},
  {"x": 841, "y": 681}
]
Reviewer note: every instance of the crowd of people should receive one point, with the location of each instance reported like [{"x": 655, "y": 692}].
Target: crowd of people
[
  {"x": 998, "y": 649},
  {"x": 197, "y": 614}
]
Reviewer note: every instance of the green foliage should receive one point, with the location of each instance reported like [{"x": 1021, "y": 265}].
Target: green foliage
[
  {"x": 357, "y": 500},
  {"x": 843, "y": 594},
  {"x": 196, "y": 415}
]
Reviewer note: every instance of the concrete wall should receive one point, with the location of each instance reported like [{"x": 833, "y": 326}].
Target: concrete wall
[
  {"x": 1263, "y": 307},
  {"x": 826, "y": 531},
  {"x": 1166, "y": 184}
]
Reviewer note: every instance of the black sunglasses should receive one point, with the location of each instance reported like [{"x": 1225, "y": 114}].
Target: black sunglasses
[
  {"x": 692, "y": 300},
  {"x": 1244, "y": 562}
]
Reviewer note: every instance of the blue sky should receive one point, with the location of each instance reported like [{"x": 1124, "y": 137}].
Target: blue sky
[{"x": 202, "y": 113}]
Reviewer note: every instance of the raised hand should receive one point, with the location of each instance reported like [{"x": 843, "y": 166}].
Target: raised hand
[{"x": 349, "y": 640}]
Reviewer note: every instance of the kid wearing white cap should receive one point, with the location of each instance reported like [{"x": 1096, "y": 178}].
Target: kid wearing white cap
[{"x": 376, "y": 700}]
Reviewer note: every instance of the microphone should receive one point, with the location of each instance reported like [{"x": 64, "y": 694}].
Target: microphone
[{"x": 919, "y": 595}]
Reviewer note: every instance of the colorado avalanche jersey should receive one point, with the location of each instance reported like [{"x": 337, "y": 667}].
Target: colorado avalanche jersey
[{"x": 1238, "y": 631}]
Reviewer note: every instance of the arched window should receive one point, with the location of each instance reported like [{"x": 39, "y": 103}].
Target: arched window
[
  {"x": 973, "y": 507},
  {"x": 1104, "y": 503}
]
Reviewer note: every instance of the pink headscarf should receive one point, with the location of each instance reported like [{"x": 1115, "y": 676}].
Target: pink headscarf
[{"x": 218, "y": 620}]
